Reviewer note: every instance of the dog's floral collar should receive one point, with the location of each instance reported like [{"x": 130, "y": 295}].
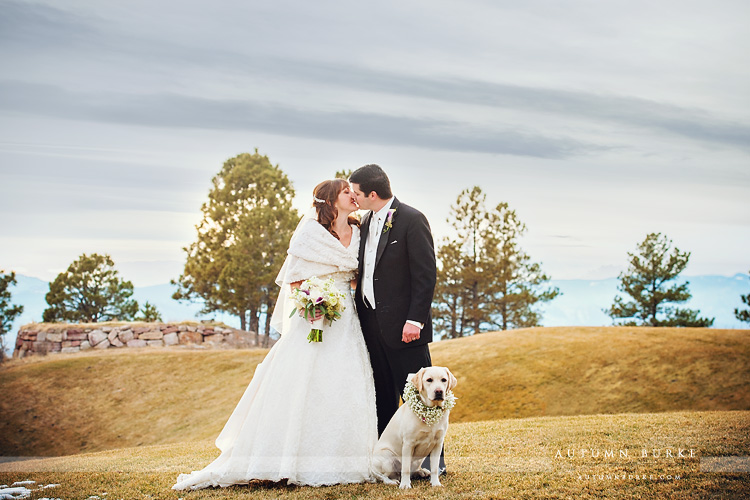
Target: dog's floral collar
[{"x": 427, "y": 414}]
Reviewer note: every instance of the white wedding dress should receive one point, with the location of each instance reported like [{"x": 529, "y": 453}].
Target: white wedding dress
[{"x": 308, "y": 415}]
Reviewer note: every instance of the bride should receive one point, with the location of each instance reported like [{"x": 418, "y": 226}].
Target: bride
[{"x": 308, "y": 415}]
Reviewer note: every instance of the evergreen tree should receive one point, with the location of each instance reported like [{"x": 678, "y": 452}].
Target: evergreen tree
[
  {"x": 448, "y": 312},
  {"x": 647, "y": 282},
  {"x": 469, "y": 217},
  {"x": 485, "y": 279},
  {"x": 8, "y": 311},
  {"x": 149, "y": 313},
  {"x": 517, "y": 284},
  {"x": 242, "y": 240},
  {"x": 743, "y": 314},
  {"x": 90, "y": 291}
]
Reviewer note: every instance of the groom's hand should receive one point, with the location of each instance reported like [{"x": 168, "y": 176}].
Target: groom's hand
[{"x": 410, "y": 333}]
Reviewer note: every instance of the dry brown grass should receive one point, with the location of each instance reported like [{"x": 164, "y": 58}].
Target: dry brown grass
[
  {"x": 515, "y": 458},
  {"x": 590, "y": 370},
  {"x": 71, "y": 403},
  {"x": 99, "y": 400}
]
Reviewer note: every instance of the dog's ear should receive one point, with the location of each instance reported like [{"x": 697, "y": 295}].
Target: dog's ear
[
  {"x": 416, "y": 379},
  {"x": 451, "y": 380}
]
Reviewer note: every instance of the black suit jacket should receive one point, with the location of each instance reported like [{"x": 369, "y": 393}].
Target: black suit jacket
[{"x": 405, "y": 275}]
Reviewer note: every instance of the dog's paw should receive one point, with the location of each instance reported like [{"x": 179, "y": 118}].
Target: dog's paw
[
  {"x": 422, "y": 472},
  {"x": 405, "y": 485},
  {"x": 436, "y": 483}
]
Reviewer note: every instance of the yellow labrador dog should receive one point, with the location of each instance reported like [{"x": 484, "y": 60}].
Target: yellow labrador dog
[{"x": 417, "y": 429}]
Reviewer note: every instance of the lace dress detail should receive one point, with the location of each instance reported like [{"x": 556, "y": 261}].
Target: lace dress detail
[{"x": 308, "y": 414}]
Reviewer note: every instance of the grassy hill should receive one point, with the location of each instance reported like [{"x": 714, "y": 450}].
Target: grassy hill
[
  {"x": 514, "y": 458},
  {"x": 68, "y": 404},
  {"x": 591, "y": 370}
]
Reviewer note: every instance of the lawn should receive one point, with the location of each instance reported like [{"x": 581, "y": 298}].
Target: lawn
[
  {"x": 664, "y": 455},
  {"x": 542, "y": 413}
]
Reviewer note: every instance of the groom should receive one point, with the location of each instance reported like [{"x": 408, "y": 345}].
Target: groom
[{"x": 397, "y": 275}]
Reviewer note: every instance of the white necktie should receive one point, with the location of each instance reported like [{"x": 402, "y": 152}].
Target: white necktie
[
  {"x": 374, "y": 225},
  {"x": 371, "y": 249}
]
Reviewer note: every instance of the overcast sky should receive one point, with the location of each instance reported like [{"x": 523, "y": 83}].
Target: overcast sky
[{"x": 598, "y": 122}]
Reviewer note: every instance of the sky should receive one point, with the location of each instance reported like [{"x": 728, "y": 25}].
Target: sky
[{"x": 597, "y": 122}]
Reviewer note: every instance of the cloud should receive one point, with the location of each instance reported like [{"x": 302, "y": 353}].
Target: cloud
[
  {"x": 34, "y": 26},
  {"x": 629, "y": 111},
  {"x": 180, "y": 111},
  {"x": 100, "y": 46},
  {"x": 48, "y": 183},
  {"x": 692, "y": 123}
]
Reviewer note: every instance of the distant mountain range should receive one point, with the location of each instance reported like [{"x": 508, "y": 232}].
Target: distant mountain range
[
  {"x": 582, "y": 301},
  {"x": 30, "y": 292},
  {"x": 580, "y": 304}
]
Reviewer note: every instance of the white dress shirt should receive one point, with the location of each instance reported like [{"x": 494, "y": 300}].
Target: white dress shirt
[{"x": 377, "y": 223}]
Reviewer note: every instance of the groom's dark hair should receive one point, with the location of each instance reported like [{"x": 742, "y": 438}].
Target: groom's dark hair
[{"x": 372, "y": 178}]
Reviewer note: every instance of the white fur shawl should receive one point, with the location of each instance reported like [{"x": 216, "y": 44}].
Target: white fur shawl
[{"x": 313, "y": 251}]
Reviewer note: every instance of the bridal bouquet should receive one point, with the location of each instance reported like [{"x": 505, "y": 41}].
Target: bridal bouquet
[{"x": 315, "y": 295}]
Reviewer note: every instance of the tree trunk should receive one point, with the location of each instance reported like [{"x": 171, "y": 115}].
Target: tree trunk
[
  {"x": 253, "y": 323},
  {"x": 504, "y": 303},
  {"x": 505, "y": 316},
  {"x": 253, "y": 319},
  {"x": 475, "y": 306},
  {"x": 454, "y": 318},
  {"x": 462, "y": 321},
  {"x": 267, "y": 327}
]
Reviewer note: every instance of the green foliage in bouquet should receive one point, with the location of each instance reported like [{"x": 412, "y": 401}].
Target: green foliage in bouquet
[{"x": 315, "y": 296}]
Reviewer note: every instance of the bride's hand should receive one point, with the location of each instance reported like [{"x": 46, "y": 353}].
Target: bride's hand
[{"x": 318, "y": 313}]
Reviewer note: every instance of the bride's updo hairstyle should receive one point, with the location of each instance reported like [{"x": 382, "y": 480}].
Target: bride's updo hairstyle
[{"x": 324, "y": 199}]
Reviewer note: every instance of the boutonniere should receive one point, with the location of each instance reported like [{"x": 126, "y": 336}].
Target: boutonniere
[{"x": 389, "y": 220}]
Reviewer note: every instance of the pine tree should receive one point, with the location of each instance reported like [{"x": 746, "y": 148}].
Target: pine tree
[
  {"x": 242, "y": 240},
  {"x": 743, "y": 314},
  {"x": 469, "y": 218},
  {"x": 149, "y": 313},
  {"x": 448, "y": 311},
  {"x": 485, "y": 279},
  {"x": 517, "y": 284},
  {"x": 90, "y": 291},
  {"x": 647, "y": 282},
  {"x": 8, "y": 311}
]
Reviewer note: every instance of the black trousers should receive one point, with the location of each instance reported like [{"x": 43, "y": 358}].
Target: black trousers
[{"x": 390, "y": 368}]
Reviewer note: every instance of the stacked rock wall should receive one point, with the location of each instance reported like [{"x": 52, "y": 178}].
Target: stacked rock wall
[{"x": 45, "y": 338}]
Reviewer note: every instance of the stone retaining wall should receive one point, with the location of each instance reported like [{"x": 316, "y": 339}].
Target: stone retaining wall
[{"x": 47, "y": 338}]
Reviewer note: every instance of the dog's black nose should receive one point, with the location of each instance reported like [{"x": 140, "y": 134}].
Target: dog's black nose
[{"x": 438, "y": 395}]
